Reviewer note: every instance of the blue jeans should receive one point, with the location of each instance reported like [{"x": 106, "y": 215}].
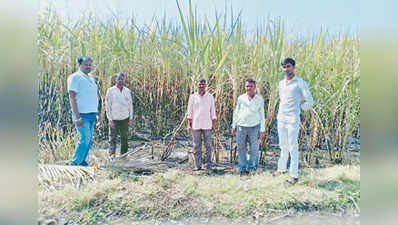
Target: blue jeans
[
  {"x": 241, "y": 134},
  {"x": 85, "y": 140}
]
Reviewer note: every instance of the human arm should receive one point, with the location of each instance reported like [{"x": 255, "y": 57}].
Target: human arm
[
  {"x": 98, "y": 117},
  {"x": 190, "y": 114},
  {"x": 235, "y": 117},
  {"x": 213, "y": 115},
  {"x": 75, "y": 110},
  {"x": 131, "y": 110},
  {"x": 189, "y": 127},
  {"x": 108, "y": 107},
  {"x": 262, "y": 120},
  {"x": 308, "y": 100}
]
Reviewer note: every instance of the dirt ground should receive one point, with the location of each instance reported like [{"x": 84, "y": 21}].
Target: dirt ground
[{"x": 145, "y": 152}]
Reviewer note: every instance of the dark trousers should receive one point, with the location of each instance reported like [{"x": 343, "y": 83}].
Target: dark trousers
[
  {"x": 121, "y": 127},
  {"x": 197, "y": 145}
]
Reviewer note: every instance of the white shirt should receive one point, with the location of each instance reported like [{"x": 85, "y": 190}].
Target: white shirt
[
  {"x": 291, "y": 92},
  {"x": 119, "y": 104},
  {"x": 86, "y": 91}
]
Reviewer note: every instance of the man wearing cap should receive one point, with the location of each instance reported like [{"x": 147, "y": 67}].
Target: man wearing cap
[
  {"x": 119, "y": 111},
  {"x": 248, "y": 122},
  {"x": 84, "y": 101},
  {"x": 201, "y": 116}
]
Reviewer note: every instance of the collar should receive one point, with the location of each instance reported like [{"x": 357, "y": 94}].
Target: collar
[
  {"x": 293, "y": 79},
  {"x": 247, "y": 96},
  {"x": 81, "y": 72},
  {"x": 115, "y": 86},
  {"x": 197, "y": 93}
]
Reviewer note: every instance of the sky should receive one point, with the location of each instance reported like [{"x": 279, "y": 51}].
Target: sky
[{"x": 301, "y": 18}]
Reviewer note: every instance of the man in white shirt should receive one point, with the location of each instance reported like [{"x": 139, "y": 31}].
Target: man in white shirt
[
  {"x": 84, "y": 101},
  {"x": 292, "y": 90},
  {"x": 119, "y": 111}
]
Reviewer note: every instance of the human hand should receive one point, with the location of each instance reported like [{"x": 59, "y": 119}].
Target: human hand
[
  {"x": 261, "y": 135},
  {"x": 79, "y": 123},
  {"x": 98, "y": 122},
  {"x": 302, "y": 118},
  {"x": 234, "y": 132}
]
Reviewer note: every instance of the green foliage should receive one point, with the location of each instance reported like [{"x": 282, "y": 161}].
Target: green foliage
[{"x": 162, "y": 62}]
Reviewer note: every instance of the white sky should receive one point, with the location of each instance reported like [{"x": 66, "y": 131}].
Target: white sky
[{"x": 301, "y": 17}]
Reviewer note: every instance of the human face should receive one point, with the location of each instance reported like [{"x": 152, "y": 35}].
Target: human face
[
  {"x": 119, "y": 80},
  {"x": 250, "y": 87},
  {"x": 288, "y": 69},
  {"x": 85, "y": 67},
  {"x": 201, "y": 87}
]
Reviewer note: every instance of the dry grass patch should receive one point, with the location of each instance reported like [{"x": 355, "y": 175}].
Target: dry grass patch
[{"x": 176, "y": 194}]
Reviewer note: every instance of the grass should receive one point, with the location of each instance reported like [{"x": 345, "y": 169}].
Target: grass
[
  {"x": 175, "y": 194},
  {"x": 162, "y": 60}
]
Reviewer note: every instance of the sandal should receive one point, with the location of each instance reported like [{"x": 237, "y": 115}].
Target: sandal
[{"x": 292, "y": 181}]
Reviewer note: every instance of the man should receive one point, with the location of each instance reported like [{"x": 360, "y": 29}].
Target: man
[
  {"x": 84, "y": 100},
  {"x": 201, "y": 116},
  {"x": 248, "y": 121},
  {"x": 292, "y": 90},
  {"x": 119, "y": 111}
]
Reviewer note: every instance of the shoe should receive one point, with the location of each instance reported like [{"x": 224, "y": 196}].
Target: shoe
[
  {"x": 292, "y": 181},
  {"x": 252, "y": 172},
  {"x": 197, "y": 169},
  {"x": 111, "y": 155},
  {"x": 243, "y": 173}
]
